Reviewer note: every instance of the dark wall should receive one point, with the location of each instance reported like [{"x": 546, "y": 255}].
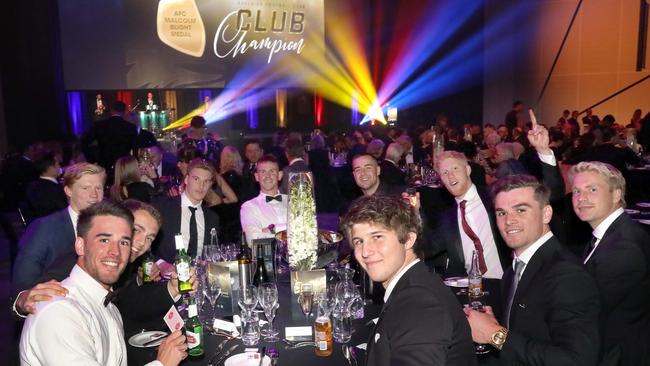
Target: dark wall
[{"x": 34, "y": 100}]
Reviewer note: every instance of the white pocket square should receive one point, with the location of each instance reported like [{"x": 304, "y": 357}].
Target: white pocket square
[{"x": 377, "y": 335}]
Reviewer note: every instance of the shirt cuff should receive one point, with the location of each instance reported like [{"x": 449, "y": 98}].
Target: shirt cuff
[
  {"x": 174, "y": 298},
  {"x": 13, "y": 306},
  {"x": 548, "y": 159},
  {"x": 155, "y": 363}
]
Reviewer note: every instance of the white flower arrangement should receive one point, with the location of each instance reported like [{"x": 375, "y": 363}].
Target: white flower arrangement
[{"x": 302, "y": 229}]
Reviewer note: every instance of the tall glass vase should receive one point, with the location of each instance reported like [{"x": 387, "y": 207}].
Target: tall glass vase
[{"x": 302, "y": 229}]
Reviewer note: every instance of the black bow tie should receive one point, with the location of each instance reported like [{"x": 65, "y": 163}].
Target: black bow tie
[
  {"x": 111, "y": 296},
  {"x": 271, "y": 198}
]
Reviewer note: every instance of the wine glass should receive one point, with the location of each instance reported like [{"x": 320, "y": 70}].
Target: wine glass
[
  {"x": 212, "y": 291},
  {"x": 248, "y": 298},
  {"x": 269, "y": 300},
  {"x": 476, "y": 303},
  {"x": 306, "y": 299},
  {"x": 327, "y": 300}
]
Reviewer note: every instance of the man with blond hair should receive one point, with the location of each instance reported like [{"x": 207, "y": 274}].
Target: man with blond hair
[
  {"x": 618, "y": 257},
  {"x": 187, "y": 215},
  {"x": 51, "y": 236}
]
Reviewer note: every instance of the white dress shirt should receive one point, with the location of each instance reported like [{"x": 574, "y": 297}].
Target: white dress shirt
[
  {"x": 256, "y": 214},
  {"x": 185, "y": 223},
  {"x": 600, "y": 230},
  {"x": 479, "y": 221},
  {"x": 528, "y": 254},
  {"x": 395, "y": 280},
  {"x": 74, "y": 216},
  {"x": 76, "y": 329}
]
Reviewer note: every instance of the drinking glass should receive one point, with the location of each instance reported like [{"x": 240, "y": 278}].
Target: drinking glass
[
  {"x": 341, "y": 325},
  {"x": 250, "y": 328},
  {"x": 327, "y": 300},
  {"x": 248, "y": 299},
  {"x": 269, "y": 300},
  {"x": 347, "y": 293},
  {"x": 476, "y": 303},
  {"x": 211, "y": 253},
  {"x": 212, "y": 291},
  {"x": 306, "y": 299}
]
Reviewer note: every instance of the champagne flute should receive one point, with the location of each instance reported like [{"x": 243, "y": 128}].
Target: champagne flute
[
  {"x": 306, "y": 299},
  {"x": 248, "y": 298},
  {"x": 269, "y": 301}
]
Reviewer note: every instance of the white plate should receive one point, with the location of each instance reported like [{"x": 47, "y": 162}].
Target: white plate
[
  {"x": 140, "y": 339},
  {"x": 631, "y": 211},
  {"x": 644, "y": 222},
  {"x": 247, "y": 359},
  {"x": 644, "y": 204},
  {"x": 457, "y": 282}
]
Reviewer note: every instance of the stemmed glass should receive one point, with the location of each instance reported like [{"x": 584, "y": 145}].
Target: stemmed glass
[
  {"x": 212, "y": 291},
  {"x": 269, "y": 301},
  {"x": 306, "y": 299},
  {"x": 476, "y": 303},
  {"x": 248, "y": 298}
]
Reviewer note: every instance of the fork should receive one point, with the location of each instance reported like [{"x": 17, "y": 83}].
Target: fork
[
  {"x": 226, "y": 354},
  {"x": 219, "y": 349}
]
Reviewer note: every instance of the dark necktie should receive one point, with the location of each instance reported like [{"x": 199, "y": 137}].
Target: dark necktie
[
  {"x": 519, "y": 267},
  {"x": 276, "y": 198},
  {"x": 111, "y": 296},
  {"x": 191, "y": 246},
  {"x": 252, "y": 169},
  {"x": 590, "y": 247},
  {"x": 470, "y": 233}
]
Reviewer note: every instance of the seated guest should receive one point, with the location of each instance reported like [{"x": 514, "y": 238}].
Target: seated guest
[
  {"x": 391, "y": 174},
  {"x": 266, "y": 214},
  {"x": 129, "y": 182},
  {"x": 375, "y": 148},
  {"x": 506, "y": 162},
  {"x": 82, "y": 327},
  {"x": 187, "y": 214},
  {"x": 295, "y": 153},
  {"x": 51, "y": 236},
  {"x": 610, "y": 152},
  {"x": 366, "y": 171},
  {"x": 252, "y": 152},
  {"x": 618, "y": 257},
  {"x": 230, "y": 168},
  {"x": 45, "y": 195},
  {"x": 551, "y": 302},
  {"x": 326, "y": 185},
  {"x": 421, "y": 322}
]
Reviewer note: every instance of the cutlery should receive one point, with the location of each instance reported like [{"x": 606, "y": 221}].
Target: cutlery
[
  {"x": 228, "y": 352},
  {"x": 300, "y": 345},
  {"x": 219, "y": 348},
  {"x": 349, "y": 355},
  {"x": 147, "y": 343}
]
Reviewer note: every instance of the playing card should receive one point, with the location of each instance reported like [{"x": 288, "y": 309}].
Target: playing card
[{"x": 173, "y": 319}]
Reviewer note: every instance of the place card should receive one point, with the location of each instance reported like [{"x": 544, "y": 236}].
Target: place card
[
  {"x": 362, "y": 346},
  {"x": 298, "y": 333},
  {"x": 226, "y": 326}
]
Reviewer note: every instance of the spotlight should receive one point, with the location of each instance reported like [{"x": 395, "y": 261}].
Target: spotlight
[{"x": 374, "y": 114}]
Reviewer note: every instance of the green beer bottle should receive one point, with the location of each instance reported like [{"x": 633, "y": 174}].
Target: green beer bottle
[
  {"x": 182, "y": 264},
  {"x": 147, "y": 264},
  {"x": 194, "y": 330}
]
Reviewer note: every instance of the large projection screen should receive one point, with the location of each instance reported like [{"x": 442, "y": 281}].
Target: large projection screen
[{"x": 178, "y": 44}]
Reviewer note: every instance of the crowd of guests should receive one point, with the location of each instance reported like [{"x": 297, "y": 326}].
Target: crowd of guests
[{"x": 502, "y": 196}]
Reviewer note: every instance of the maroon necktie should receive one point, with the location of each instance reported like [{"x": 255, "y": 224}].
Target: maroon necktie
[{"x": 477, "y": 242}]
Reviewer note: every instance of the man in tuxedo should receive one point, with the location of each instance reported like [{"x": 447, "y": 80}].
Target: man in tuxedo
[
  {"x": 551, "y": 302},
  {"x": 390, "y": 172},
  {"x": 114, "y": 137},
  {"x": 618, "y": 257},
  {"x": 250, "y": 187},
  {"x": 266, "y": 214},
  {"x": 295, "y": 153},
  {"x": 471, "y": 225},
  {"x": 366, "y": 172},
  {"x": 51, "y": 236},
  {"x": 187, "y": 215},
  {"x": 421, "y": 322},
  {"x": 45, "y": 195},
  {"x": 83, "y": 326}
]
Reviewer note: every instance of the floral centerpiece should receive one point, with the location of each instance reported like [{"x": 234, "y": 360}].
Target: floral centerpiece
[{"x": 302, "y": 229}]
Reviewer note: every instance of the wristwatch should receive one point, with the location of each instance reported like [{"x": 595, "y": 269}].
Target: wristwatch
[{"x": 499, "y": 338}]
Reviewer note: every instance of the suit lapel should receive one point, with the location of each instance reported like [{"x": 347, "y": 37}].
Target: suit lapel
[
  {"x": 457, "y": 243},
  {"x": 604, "y": 242}
]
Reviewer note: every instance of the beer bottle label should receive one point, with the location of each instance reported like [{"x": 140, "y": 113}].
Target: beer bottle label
[
  {"x": 321, "y": 341},
  {"x": 193, "y": 339},
  {"x": 147, "y": 268},
  {"x": 183, "y": 270}
]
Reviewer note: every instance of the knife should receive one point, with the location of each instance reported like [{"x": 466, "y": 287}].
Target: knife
[{"x": 150, "y": 342}]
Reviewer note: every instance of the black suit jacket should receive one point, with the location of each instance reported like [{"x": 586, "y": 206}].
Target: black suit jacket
[
  {"x": 554, "y": 316},
  {"x": 422, "y": 323},
  {"x": 249, "y": 186},
  {"x": 44, "y": 197},
  {"x": 621, "y": 267},
  {"x": 391, "y": 174},
  {"x": 296, "y": 167},
  {"x": 114, "y": 137},
  {"x": 170, "y": 208}
]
